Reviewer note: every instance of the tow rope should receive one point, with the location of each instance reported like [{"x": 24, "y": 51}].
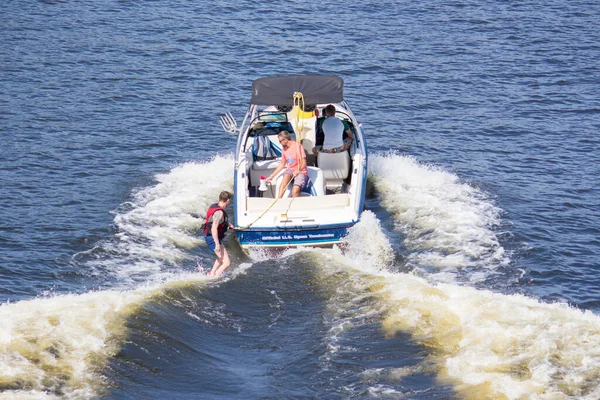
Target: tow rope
[
  {"x": 264, "y": 212},
  {"x": 299, "y": 99}
]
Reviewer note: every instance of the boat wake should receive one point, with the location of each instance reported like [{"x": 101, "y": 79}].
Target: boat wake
[
  {"x": 486, "y": 344},
  {"x": 158, "y": 227},
  {"x": 55, "y": 346},
  {"x": 482, "y": 343},
  {"x": 448, "y": 225}
]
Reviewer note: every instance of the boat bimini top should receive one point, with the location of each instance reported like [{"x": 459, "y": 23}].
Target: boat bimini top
[{"x": 316, "y": 89}]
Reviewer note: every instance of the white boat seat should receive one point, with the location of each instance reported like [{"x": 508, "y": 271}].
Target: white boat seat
[
  {"x": 335, "y": 167},
  {"x": 262, "y": 168},
  {"x": 265, "y": 157},
  {"x": 315, "y": 186},
  {"x": 265, "y": 165}
]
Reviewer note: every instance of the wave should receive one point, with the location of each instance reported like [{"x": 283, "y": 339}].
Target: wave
[
  {"x": 484, "y": 344},
  {"x": 158, "y": 227},
  {"x": 56, "y": 346},
  {"x": 487, "y": 345},
  {"x": 448, "y": 225}
]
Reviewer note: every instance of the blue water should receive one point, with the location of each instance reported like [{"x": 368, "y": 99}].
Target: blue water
[{"x": 101, "y": 102}]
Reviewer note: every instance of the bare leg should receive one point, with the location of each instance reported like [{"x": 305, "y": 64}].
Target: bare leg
[
  {"x": 284, "y": 184},
  {"x": 296, "y": 191},
  {"x": 225, "y": 265},
  {"x": 218, "y": 262}
]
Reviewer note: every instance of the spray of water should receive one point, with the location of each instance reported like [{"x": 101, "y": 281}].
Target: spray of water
[
  {"x": 487, "y": 345},
  {"x": 448, "y": 225},
  {"x": 161, "y": 223},
  {"x": 56, "y": 346}
]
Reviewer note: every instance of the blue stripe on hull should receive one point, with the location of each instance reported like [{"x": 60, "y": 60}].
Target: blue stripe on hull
[{"x": 290, "y": 237}]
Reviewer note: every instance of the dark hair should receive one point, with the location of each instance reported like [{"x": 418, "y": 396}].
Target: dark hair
[
  {"x": 225, "y": 195},
  {"x": 330, "y": 110}
]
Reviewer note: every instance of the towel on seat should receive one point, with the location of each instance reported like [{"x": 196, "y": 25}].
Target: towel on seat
[{"x": 264, "y": 149}]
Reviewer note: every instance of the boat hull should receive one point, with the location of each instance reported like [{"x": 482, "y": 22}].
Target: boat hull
[{"x": 291, "y": 237}]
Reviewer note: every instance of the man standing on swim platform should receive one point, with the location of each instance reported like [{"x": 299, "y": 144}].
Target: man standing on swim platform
[{"x": 216, "y": 225}]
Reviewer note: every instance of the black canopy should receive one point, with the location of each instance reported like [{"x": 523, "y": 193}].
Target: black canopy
[{"x": 279, "y": 90}]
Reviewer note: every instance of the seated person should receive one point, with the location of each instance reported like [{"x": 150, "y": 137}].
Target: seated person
[
  {"x": 319, "y": 135},
  {"x": 333, "y": 135},
  {"x": 293, "y": 158}
]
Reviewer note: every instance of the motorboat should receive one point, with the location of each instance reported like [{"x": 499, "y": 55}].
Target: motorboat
[{"x": 334, "y": 198}]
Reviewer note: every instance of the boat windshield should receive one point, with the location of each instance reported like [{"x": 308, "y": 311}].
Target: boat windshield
[{"x": 269, "y": 116}]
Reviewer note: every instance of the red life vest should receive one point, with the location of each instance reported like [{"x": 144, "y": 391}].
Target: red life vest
[{"x": 222, "y": 227}]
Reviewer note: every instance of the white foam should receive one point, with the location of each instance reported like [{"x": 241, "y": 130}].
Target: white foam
[
  {"x": 264, "y": 254},
  {"x": 366, "y": 244},
  {"x": 488, "y": 345},
  {"x": 57, "y": 346},
  {"x": 507, "y": 345},
  {"x": 163, "y": 221},
  {"x": 485, "y": 344},
  {"x": 53, "y": 344},
  {"x": 447, "y": 224}
]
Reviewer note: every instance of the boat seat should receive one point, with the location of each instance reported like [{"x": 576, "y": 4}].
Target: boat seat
[
  {"x": 335, "y": 167},
  {"x": 264, "y": 165},
  {"x": 315, "y": 186},
  {"x": 262, "y": 168}
]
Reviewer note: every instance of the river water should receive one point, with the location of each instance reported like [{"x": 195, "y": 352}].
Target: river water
[{"x": 473, "y": 273}]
